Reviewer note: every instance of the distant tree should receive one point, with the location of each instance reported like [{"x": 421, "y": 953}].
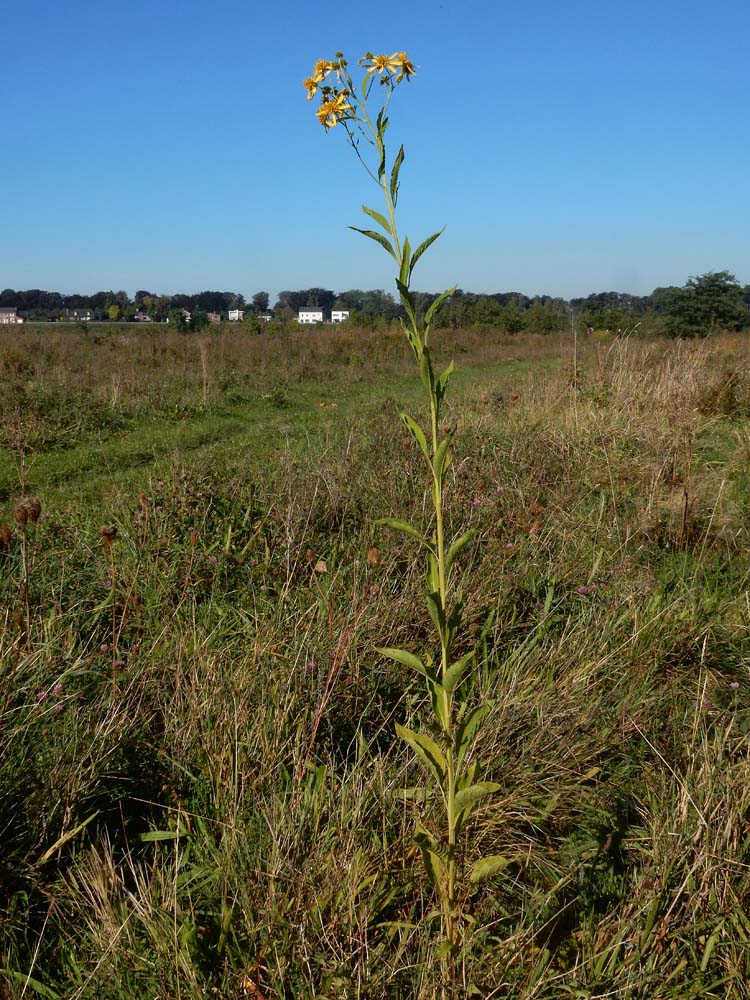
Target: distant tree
[
  {"x": 177, "y": 320},
  {"x": 114, "y": 312},
  {"x": 260, "y": 302},
  {"x": 706, "y": 304},
  {"x": 199, "y": 320}
]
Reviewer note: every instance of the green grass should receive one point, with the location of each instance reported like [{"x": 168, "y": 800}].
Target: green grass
[{"x": 199, "y": 774}]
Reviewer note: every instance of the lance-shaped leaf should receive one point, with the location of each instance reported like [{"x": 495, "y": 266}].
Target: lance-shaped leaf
[
  {"x": 414, "y": 342},
  {"x": 408, "y": 659},
  {"x": 456, "y": 616},
  {"x": 441, "y": 460},
  {"x": 405, "y": 258},
  {"x": 425, "y": 370},
  {"x": 417, "y": 433},
  {"x": 394, "y": 175},
  {"x": 407, "y": 301},
  {"x": 433, "y": 573},
  {"x": 435, "y": 306},
  {"x": 466, "y": 729},
  {"x": 442, "y": 381},
  {"x": 422, "y": 247},
  {"x": 471, "y": 795},
  {"x": 431, "y": 858},
  {"x": 435, "y": 608},
  {"x": 426, "y": 749},
  {"x": 415, "y": 793},
  {"x": 455, "y": 672},
  {"x": 379, "y": 218},
  {"x": 457, "y": 546},
  {"x": 379, "y": 238},
  {"x": 440, "y": 704},
  {"x": 408, "y": 529},
  {"x": 487, "y": 867}
]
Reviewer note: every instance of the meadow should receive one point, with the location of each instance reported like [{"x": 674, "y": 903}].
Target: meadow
[{"x": 201, "y": 789}]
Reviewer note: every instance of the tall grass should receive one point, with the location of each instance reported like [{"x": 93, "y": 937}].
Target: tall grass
[{"x": 229, "y": 822}]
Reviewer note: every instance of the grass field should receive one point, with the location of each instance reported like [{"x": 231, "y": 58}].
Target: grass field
[{"x": 199, "y": 774}]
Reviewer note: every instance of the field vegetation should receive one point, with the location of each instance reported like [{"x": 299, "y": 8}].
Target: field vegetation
[{"x": 201, "y": 787}]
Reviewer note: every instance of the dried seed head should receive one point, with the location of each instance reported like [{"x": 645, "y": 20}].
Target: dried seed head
[
  {"x": 35, "y": 510},
  {"x": 21, "y": 513},
  {"x": 6, "y": 533},
  {"x": 193, "y": 537},
  {"x": 143, "y": 501},
  {"x": 108, "y": 533}
]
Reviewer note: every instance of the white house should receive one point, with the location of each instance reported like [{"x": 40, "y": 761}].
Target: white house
[
  {"x": 10, "y": 315},
  {"x": 311, "y": 314},
  {"x": 339, "y": 315},
  {"x": 236, "y": 315}
]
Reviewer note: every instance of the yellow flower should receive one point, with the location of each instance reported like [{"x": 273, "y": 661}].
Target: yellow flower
[
  {"x": 402, "y": 62},
  {"x": 322, "y": 68},
  {"x": 381, "y": 64},
  {"x": 311, "y": 87},
  {"x": 333, "y": 110}
]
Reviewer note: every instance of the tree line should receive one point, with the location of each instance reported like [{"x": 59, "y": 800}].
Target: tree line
[{"x": 705, "y": 303}]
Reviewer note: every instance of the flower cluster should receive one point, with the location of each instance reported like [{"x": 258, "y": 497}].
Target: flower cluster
[
  {"x": 393, "y": 68},
  {"x": 337, "y": 97}
]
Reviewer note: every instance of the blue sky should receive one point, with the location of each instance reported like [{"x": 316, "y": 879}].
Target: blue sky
[{"x": 568, "y": 148}]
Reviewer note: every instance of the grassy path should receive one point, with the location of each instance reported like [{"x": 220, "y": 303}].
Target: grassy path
[{"x": 223, "y": 433}]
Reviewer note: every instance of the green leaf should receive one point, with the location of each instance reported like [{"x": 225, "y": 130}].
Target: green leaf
[
  {"x": 417, "y": 433},
  {"x": 457, "y": 546},
  {"x": 430, "y": 856},
  {"x": 487, "y": 867},
  {"x": 30, "y": 983},
  {"x": 407, "y": 301},
  {"x": 394, "y": 175},
  {"x": 408, "y": 659},
  {"x": 456, "y": 615},
  {"x": 435, "y": 609},
  {"x": 440, "y": 704},
  {"x": 468, "y": 796},
  {"x": 379, "y": 218},
  {"x": 442, "y": 381},
  {"x": 455, "y": 672},
  {"x": 422, "y": 247},
  {"x": 433, "y": 573},
  {"x": 416, "y": 793},
  {"x": 442, "y": 459},
  {"x": 426, "y": 749},
  {"x": 155, "y": 835},
  {"x": 379, "y": 238},
  {"x": 466, "y": 730},
  {"x": 408, "y": 529},
  {"x": 405, "y": 257},
  {"x": 425, "y": 370},
  {"x": 436, "y": 305}
]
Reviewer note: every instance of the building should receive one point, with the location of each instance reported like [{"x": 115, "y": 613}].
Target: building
[
  {"x": 84, "y": 315},
  {"x": 214, "y": 318},
  {"x": 310, "y": 314},
  {"x": 339, "y": 315},
  {"x": 9, "y": 314},
  {"x": 236, "y": 315},
  {"x": 142, "y": 317}
]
